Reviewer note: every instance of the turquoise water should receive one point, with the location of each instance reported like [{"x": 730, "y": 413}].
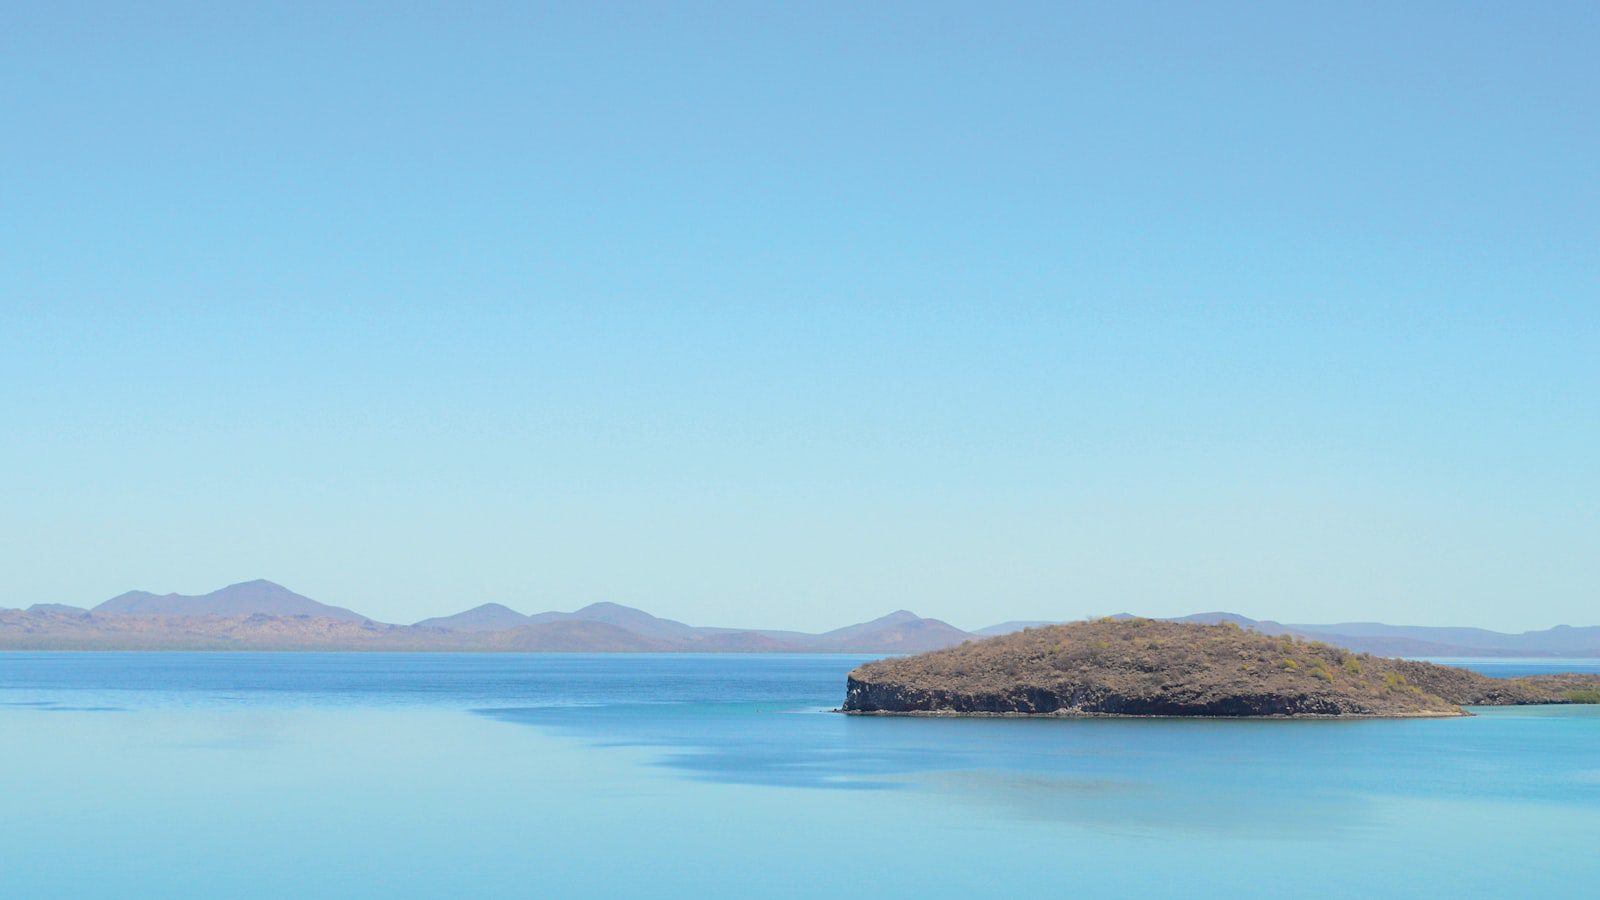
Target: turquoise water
[{"x": 444, "y": 775}]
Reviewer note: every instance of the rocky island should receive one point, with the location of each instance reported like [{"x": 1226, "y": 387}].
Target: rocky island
[{"x": 1143, "y": 667}]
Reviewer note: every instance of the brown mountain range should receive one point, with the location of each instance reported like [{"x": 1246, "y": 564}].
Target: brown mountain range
[{"x": 263, "y": 615}]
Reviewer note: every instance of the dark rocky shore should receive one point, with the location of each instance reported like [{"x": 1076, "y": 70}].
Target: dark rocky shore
[{"x": 1142, "y": 667}]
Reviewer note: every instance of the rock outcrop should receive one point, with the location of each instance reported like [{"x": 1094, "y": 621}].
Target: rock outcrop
[{"x": 1141, "y": 667}]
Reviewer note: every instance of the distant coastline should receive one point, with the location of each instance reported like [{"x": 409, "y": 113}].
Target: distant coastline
[{"x": 263, "y": 616}]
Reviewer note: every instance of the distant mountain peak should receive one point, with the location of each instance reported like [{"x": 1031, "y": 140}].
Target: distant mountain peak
[
  {"x": 246, "y": 598},
  {"x": 129, "y": 596},
  {"x": 895, "y": 618},
  {"x": 900, "y": 631},
  {"x": 1216, "y": 618},
  {"x": 58, "y": 608},
  {"x": 608, "y": 606},
  {"x": 255, "y": 586},
  {"x": 636, "y": 620},
  {"x": 484, "y": 617}
]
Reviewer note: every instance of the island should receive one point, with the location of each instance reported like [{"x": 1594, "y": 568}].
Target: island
[{"x": 1145, "y": 667}]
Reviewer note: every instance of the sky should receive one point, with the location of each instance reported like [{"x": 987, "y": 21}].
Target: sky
[{"x": 789, "y": 315}]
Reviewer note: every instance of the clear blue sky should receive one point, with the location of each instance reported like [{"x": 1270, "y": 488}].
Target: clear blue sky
[{"x": 793, "y": 315}]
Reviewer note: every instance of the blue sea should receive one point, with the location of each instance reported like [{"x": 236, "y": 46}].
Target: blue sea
[{"x": 238, "y": 775}]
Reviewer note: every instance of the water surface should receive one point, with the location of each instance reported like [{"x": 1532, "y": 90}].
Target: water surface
[{"x": 428, "y": 775}]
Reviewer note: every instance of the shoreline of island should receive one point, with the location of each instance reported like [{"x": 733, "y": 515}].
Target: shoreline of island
[{"x": 1143, "y": 668}]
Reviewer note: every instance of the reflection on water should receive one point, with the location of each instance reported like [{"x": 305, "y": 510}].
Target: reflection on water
[{"x": 1275, "y": 780}]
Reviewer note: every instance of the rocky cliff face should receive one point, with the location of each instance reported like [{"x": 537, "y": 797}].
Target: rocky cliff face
[
  {"x": 1139, "y": 667},
  {"x": 1073, "y": 700}
]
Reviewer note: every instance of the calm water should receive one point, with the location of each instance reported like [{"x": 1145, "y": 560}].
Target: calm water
[{"x": 441, "y": 775}]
